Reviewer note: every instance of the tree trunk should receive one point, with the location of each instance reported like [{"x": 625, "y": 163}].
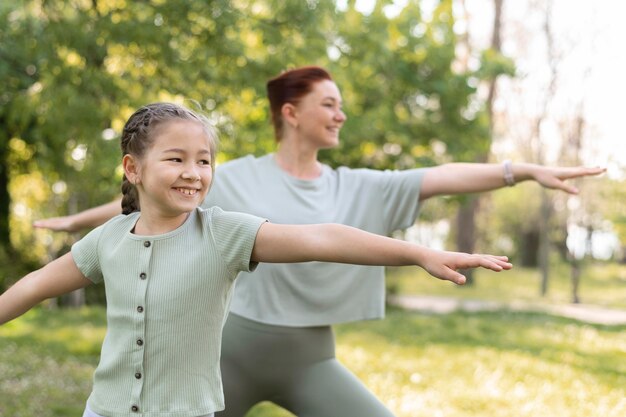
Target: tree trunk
[
  {"x": 76, "y": 298},
  {"x": 466, "y": 232},
  {"x": 544, "y": 241},
  {"x": 5, "y": 200},
  {"x": 529, "y": 250},
  {"x": 575, "y": 278},
  {"x": 6, "y": 250},
  {"x": 546, "y": 204}
]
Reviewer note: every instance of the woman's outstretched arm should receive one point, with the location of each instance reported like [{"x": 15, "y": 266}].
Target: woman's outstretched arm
[
  {"x": 459, "y": 178},
  {"x": 89, "y": 218},
  {"x": 59, "y": 277},
  {"x": 344, "y": 244}
]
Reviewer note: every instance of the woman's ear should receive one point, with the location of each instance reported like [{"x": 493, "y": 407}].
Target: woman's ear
[
  {"x": 131, "y": 169},
  {"x": 289, "y": 114}
]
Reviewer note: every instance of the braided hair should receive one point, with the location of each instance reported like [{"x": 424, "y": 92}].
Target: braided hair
[{"x": 138, "y": 137}]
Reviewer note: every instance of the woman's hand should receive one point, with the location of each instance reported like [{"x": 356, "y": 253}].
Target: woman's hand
[
  {"x": 90, "y": 218},
  {"x": 57, "y": 224},
  {"x": 554, "y": 178}
]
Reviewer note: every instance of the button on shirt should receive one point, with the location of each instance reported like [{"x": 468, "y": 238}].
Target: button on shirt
[{"x": 167, "y": 296}]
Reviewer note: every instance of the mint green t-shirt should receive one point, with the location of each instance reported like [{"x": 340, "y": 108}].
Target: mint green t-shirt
[
  {"x": 167, "y": 298},
  {"x": 315, "y": 293}
]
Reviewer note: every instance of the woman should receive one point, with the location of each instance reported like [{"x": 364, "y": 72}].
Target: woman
[{"x": 278, "y": 343}]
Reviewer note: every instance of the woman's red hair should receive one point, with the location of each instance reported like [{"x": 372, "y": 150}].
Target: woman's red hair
[{"x": 290, "y": 87}]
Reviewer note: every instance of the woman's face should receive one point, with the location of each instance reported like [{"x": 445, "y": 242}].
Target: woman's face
[{"x": 319, "y": 115}]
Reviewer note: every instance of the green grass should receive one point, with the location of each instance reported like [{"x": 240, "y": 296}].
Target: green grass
[
  {"x": 601, "y": 284},
  {"x": 47, "y": 359},
  {"x": 499, "y": 364}
]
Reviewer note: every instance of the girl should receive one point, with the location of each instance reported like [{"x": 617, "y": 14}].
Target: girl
[{"x": 169, "y": 269}]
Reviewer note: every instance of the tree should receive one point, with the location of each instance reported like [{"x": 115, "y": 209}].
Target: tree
[{"x": 82, "y": 66}]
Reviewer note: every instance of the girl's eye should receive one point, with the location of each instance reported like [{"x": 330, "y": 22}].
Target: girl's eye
[
  {"x": 205, "y": 162},
  {"x": 175, "y": 160}
]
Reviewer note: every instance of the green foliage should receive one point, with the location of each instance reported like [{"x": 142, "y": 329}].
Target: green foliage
[
  {"x": 12, "y": 267},
  {"x": 401, "y": 92},
  {"x": 75, "y": 70},
  {"x": 494, "y": 64}
]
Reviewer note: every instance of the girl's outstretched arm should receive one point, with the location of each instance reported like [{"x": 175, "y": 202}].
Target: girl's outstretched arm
[
  {"x": 458, "y": 178},
  {"x": 343, "y": 244},
  {"x": 89, "y": 218},
  {"x": 56, "y": 278}
]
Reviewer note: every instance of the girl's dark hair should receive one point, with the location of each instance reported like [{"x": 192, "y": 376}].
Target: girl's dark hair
[
  {"x": 138, "y": 137},
  {"x": 290, "y": 87}
]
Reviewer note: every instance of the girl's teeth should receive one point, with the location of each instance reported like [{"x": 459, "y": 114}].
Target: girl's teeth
[{"x": 187, "y": 191}]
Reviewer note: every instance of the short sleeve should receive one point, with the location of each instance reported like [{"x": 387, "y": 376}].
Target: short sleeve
[
  {"x": 85, "y": 254},
  {"x": 235, "y": 234},
  {"x": 401, "y": 191}
]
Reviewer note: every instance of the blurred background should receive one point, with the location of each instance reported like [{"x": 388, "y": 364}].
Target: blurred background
[{"x": 423, "y": 83}]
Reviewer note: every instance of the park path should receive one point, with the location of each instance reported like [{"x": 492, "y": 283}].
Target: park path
[{"x": 444, "y": 305}]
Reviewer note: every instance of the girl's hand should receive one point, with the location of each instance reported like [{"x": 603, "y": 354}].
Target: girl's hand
[
  {"x": 554, "y": 178},
  {"x": 444, "y": 265}
]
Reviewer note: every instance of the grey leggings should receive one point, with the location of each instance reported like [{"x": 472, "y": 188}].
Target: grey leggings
[{"x": 293, "y": 367}]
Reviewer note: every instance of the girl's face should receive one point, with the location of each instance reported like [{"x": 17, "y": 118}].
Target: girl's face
[
  {"x": 175, "y": 173},
  {"x": 319, "y": 115}
]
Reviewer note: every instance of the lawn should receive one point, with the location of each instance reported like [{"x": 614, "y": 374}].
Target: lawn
[
  {"x": 601, "y": 284},
  {"x": 457, "y": 365}
]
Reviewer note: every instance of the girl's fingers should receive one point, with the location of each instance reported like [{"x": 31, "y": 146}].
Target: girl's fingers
[
  {"x": 502, "y": 261},
  {"x": 495, "y": 263},
  {"x": 489, "y": 264},
  {"x": 459, "y": 279},
  {"x": 454, "y": 276},
  {"x": 446, "y": 273}
]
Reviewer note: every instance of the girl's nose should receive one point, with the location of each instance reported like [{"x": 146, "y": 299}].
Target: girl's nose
[{"x": 190, "y": 174}]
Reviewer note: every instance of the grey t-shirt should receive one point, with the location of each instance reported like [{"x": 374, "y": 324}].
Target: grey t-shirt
[{"x": 315, "y": 293}]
